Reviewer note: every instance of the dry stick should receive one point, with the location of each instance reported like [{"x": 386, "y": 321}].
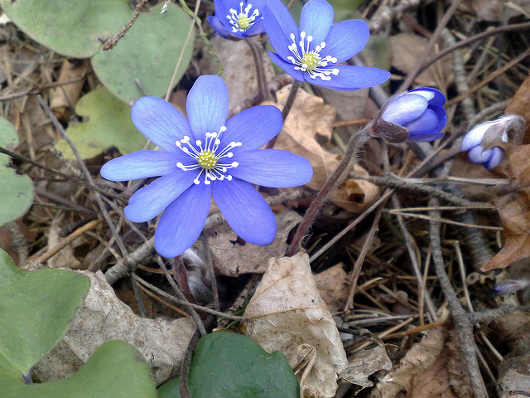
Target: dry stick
[
  {"x": 360, "y": 259},
  {"x": 487, "y": 316},
  {"x": 181, "y": 55},
  {"x": 39, "y": 90},
  {"x": 180, "y": 295},
  {"x": 469, "y": 40},
  {"x": 491, "y": 77},
  {"x": 201, "y": 308},
  {"x": 120, "y": 269},
  {"x": 87, "y": 174},
  {"x": 414, "y": 261},
  {"x": 461, "y": 321},
  {"x": 185, "y": 366},
  {"x": 430, "y": 47},
  {"x": 113, "y": 40},
  {"x": 257, "y": 56},
  {"x": 354, "y": 145},
  {"x": 286, "y": 108}
]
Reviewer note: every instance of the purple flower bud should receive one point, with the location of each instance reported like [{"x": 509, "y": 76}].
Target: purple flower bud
[
  {"x": 420, "y": 111},
  {"x": 478, "y": 137}
]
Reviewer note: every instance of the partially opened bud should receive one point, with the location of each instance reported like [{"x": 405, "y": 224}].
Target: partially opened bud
[
  {"x": 420, "y": 111},
  {"x": 479, "y": 142}
]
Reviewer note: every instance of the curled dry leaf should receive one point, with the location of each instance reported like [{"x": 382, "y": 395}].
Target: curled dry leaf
[
  {"x": 103, "y": 317},
  {"x": 514, "y": 210},
  {"x": 233, "y": 258},
  {"x": 427, "y": 371},
  {"x": 65, "y": 97},
  {"x": 288, "y": 315},
  {"x": 333, "y": 286},
  {"x": 310, "y": 122},
  {"x": 520, "y": 105}
]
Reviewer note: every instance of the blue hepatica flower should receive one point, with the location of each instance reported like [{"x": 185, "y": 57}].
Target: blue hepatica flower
[
  {"x": 238, "y": 18},
  {"x": 489, "y": 158},
  {"x": 420, "y": 111},
  {"x": 314, "y": 52},
  {"x": 202, "y": 157}
]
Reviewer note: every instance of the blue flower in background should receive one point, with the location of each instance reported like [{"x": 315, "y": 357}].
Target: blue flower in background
[
  {"x": 420, "y": 111},
  {"x": 489, "y": 158},
  {"x": 313, "y": 52},
  {"x": 238, "y": 18},
  {"x": 202, "y": 157}
]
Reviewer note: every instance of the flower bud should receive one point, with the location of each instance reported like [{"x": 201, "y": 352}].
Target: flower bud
[
  {"x": 479, "y": 141},
  {"x": 420, "y": 111}
]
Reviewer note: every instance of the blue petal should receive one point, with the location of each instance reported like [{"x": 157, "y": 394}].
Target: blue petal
[
  {"x": 497, "y": 154},
  {"x": 151, "y": 200},
  {"x": 218, "y": 26},
  {"x": 287, "y": 67},
  {"x": 207, "y": 105},
  {"x": 404, "y": 109},
  {"x": 272, "y": 168},
  {"x": 316, "y": 19},
  {"x": 253, "y": 127},
  {"x": 159, "y": 121},
  {"x": 345, "y": 39},
  {"x": 426, "y": 137},
  {"x": 142, "y": 164},
  {"x": 256, "y": 29},
  {"x": 434, "y": 96},
  {"x": 245, "y": 210},
  {"x": 182, "y": 222},
  {"x": 479, "y": 155},
  {"x": 474, "y": 137},
  {"x": 427, "y": 123},
  {"x": 279, "y": 24},
  {"x": 352, "y": 78},
  {"x": 222, "y": 7},
  {"x": 441, "y": 114}
]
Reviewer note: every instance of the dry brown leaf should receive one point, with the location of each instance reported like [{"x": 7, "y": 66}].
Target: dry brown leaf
[
  {"x": 333, "y": 286},
  {"x": 514, "y": 210},
  {"x": 520, "y": 105},
  {"x": 310, "y": 123},
  {"x": 65, "y": 258},
  {"x": 427, "y": 371},
  {"x": 239, "y": 72},
  {"x": 64, "y": 97},
  {"x": 231, "y": 258},
  {"x": 103, "y": 317},
  {"x": 364, "y": 363},
  {"x": 288, "y": 315},
  {"x": 407, "y": 48}
]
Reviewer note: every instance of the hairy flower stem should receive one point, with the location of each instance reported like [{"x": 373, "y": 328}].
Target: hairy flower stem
[
  {"x": 355, "y": 143},
  {"x": 257, "y": 55},
  {"x": 287, "y": 108}
]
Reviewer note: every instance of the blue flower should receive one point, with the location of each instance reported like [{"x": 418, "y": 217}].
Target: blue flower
[
  {"x": 489, "y": 158},
  {"x": 202, "y": 157},
  {"x": 313, "y": 52},
  {"x": 420, "y": 111},
  {"x": 238, "y": 18}
]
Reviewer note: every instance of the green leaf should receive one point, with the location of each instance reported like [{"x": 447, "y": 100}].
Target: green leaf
[
  {"x": 36, "y": 308},
  {"x": 148, "y": 52},
  {"x": 16, "y": 191},
  {"x": 75, "y": 28},
  {"x": 109, "y": 124},
  {"x": 230, "y": 365},
  {"x": 116, "y": 370}
]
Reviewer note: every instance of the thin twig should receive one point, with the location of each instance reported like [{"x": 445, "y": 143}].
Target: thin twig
[
  {"x": 411, "y": 76},
  {"x": 355, "y": 143},
  {"x": 114, "y": 39},
  {"x": 257, "y": 56},
  {"x": 286, "y": 108},
  {"x": 461, "y": 321},
  {"x": 211, "y": 271}
]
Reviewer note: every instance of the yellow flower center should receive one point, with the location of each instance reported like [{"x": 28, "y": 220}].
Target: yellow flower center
[
  {"x": 243, "y": 21},
  {"x": 207, "y": 160},
  {"x": 311, "y": 61}
]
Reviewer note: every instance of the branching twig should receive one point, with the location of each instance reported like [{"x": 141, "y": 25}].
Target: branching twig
[
  {"x": 111, "y": 42},
  {"x": 461, "y": 321}
]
